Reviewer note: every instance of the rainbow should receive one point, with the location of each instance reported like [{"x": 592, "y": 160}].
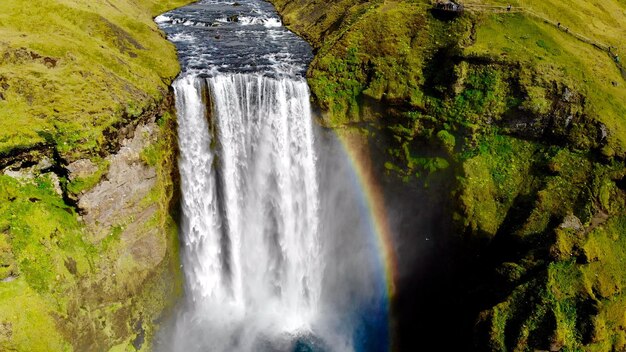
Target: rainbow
[{"x": 355, "y": 148}]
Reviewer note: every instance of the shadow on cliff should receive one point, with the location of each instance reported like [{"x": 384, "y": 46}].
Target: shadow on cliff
[{"x": 434, "y": 308}]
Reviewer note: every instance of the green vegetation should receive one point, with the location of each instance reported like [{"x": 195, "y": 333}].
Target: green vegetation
[
  {"x": 398, "y": 53},
  {"x": 43, "y": 234},
  {"x": 492, "y": 181},
  {"x": 71, "y": 70},
  {"x": 389, "y": 65},
  {"x": 556, "y": 57},
  {"x": 531, "y": 121},
  {"x": 75, "y": 77},
  {"x": 78, "y": 294}
]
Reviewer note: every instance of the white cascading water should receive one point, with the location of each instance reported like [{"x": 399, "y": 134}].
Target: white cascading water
[
  {"x": 275, "y": 244},
  {"x": 250, "y": 204}
]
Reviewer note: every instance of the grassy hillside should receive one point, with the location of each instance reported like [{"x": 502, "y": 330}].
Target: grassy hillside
[
  {"x": 388, "y": 51},
  {"x": 530, "y": 117},
  {"x": 71, "y": 69},
  {"x": 76, "y": 78},
  {"x": 599, "y": 20}
]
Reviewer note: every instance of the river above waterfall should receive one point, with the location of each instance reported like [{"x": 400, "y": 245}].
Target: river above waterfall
[
  {"x": 278, "y": 245},
  {"x": 237, "y": 37}
]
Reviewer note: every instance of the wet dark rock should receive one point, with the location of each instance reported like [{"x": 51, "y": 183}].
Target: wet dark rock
[
  {"x": 621, "y": 183},
  {"x": 141, "y": 335}
]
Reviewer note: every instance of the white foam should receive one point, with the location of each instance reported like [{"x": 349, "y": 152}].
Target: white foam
[
  {"x": 273, "y": 22},
  {"x": 162, "y": 19},
  {"x": 252, "y": 21},
  {"x": 182, "y": 37}
]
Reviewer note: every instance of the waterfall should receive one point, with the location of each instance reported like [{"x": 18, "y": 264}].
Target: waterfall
[
  {"x": 277, "y": 245},
  {"x": 250, "y": 208}
]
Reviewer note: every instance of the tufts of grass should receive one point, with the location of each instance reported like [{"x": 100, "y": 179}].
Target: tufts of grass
[
  {"x": 71, "y": 69},
  {"x": 44, "y": 235},
  {"x": 555, "y": 56},
  {"x": 492, "y": 180}
]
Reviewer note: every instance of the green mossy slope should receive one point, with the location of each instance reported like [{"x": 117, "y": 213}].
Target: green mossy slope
[
  {"x": 61, "y": 291},
  {"x": 76, "y": 79},
  {"x": 70, "y": 70},
  {"x": 532, "y": 121},
  {"x": 400, "y": 54}
]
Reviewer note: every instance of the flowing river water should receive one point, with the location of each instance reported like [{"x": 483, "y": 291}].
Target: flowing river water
[{"x": 276, "y": 240}]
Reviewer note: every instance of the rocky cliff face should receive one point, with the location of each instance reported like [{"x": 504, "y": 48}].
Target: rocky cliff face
[
  {"x": 526, "y": 116},
  {"x": 88, "y": 244},
  {"x": 91, "y": 269}
]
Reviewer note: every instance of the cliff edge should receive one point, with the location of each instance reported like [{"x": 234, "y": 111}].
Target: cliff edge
[
  {"x": 88, "y": 244},
  {"x": 523, "y": 109}
]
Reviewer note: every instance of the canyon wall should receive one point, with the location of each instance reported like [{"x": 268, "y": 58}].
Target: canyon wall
[
  {"x": 88, "y": 242},
  {"x": 523, "y": 112}
]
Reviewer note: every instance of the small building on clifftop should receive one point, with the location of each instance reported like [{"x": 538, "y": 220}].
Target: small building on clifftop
[{"x": 448, "y": 6}]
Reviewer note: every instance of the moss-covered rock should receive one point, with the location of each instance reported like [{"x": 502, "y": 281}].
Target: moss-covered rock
[
  {"x": 78, "y": 81},
  {"x": 529, "y": 116},
  {"x": 83, "y": 290}
]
